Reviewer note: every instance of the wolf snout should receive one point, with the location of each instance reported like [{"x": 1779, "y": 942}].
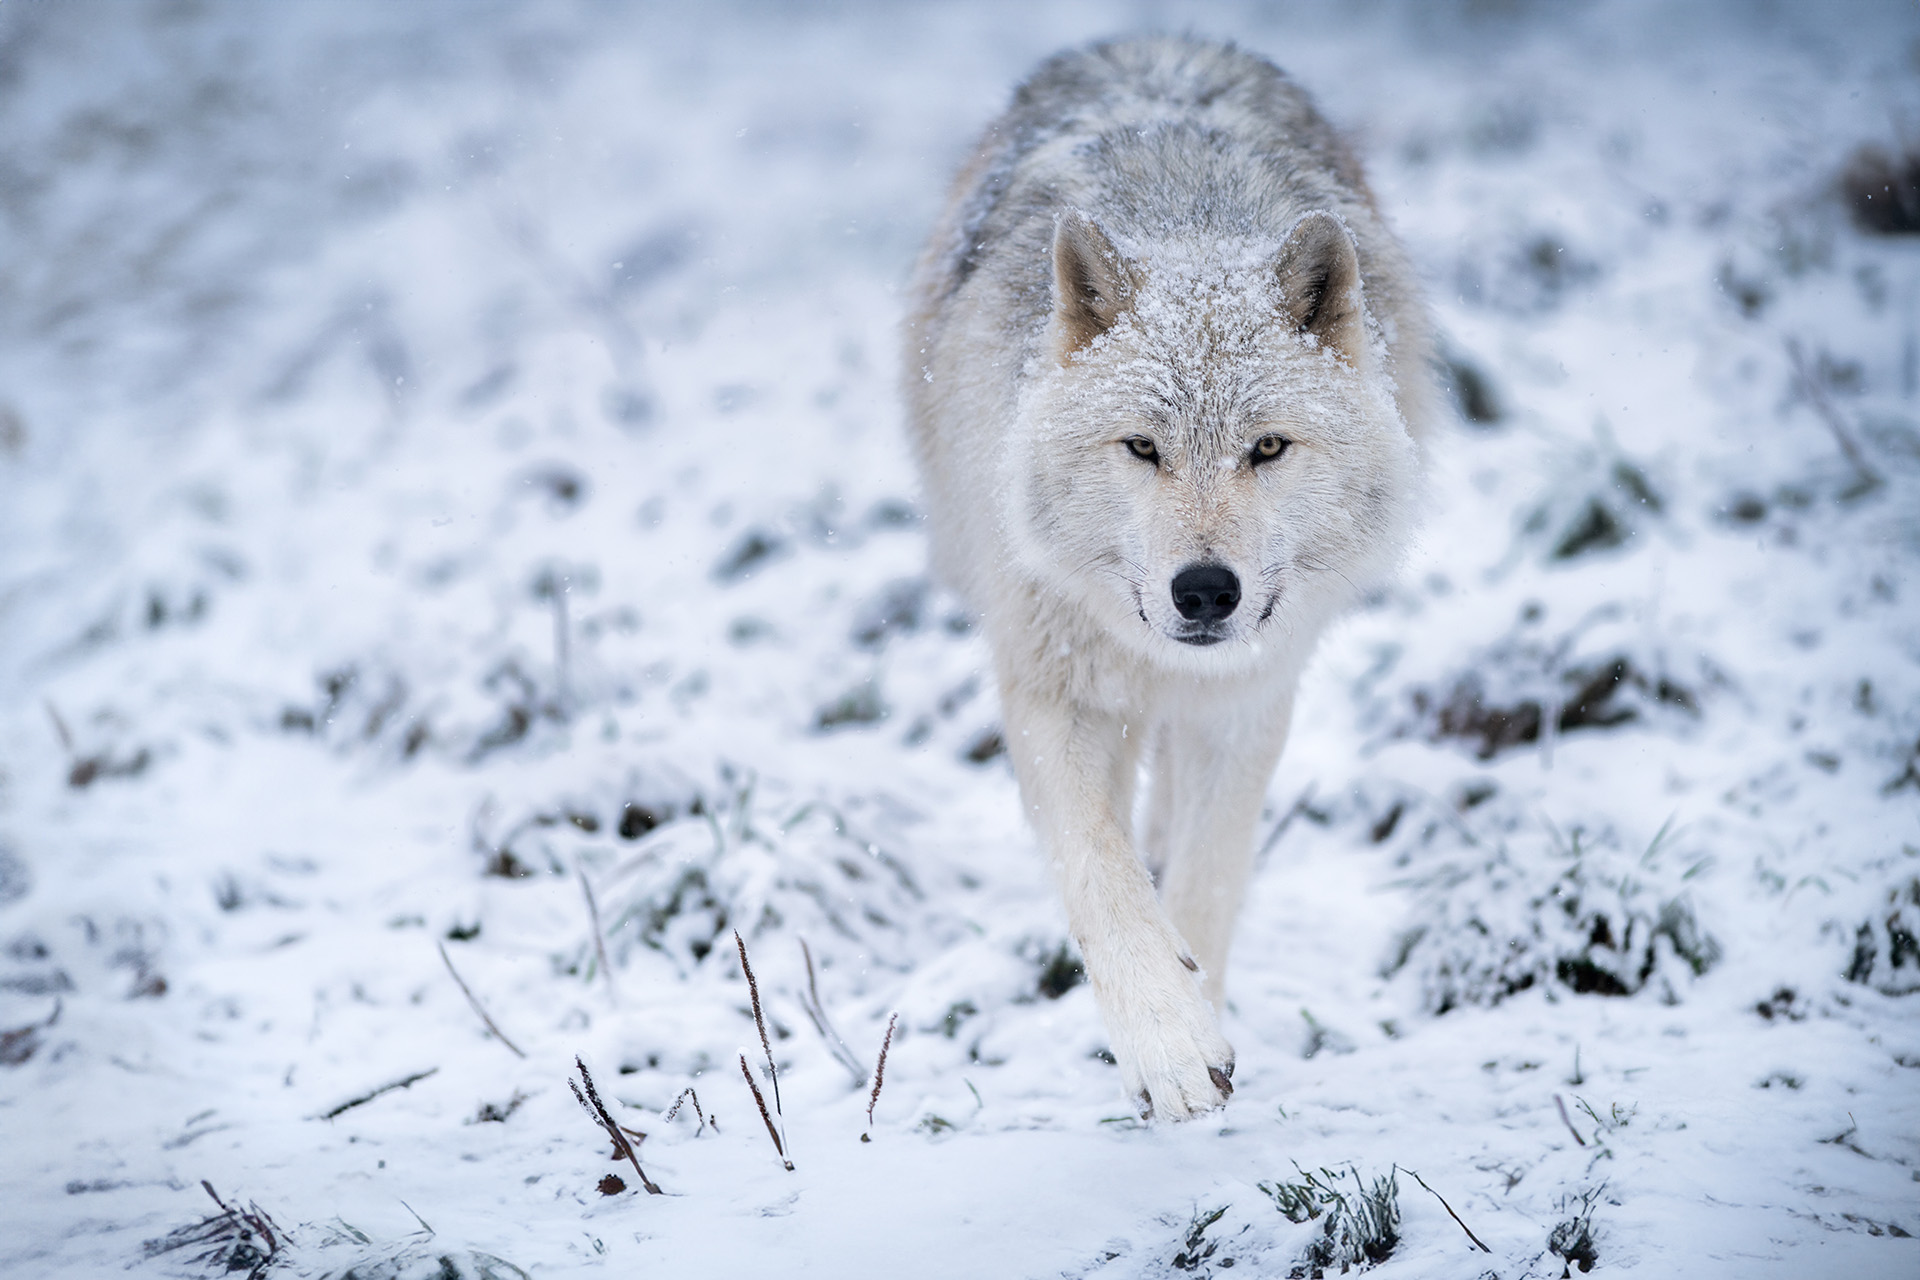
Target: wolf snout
[{"x": 1206, "y": 593}]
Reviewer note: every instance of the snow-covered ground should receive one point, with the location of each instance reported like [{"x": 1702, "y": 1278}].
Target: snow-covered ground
[{"x": 452, "y": 491}]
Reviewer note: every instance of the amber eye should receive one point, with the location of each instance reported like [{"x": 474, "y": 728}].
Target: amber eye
[
  {"x": 1267, "y": 448},
  {"x": 1143, "y": 449}
]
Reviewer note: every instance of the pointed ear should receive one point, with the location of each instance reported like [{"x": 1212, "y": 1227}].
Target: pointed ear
[
  {"x": 1319, "y": 273},
  {"x": 1091, "y": 285}
]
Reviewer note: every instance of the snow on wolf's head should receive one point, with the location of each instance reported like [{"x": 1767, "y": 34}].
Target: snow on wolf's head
[{"x": 1209, "y": 449}]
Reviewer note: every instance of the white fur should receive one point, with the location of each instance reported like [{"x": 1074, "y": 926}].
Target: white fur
[{"x": 1150, "y": 244}]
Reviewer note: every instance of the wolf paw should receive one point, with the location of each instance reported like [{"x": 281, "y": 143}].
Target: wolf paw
[
  {"x": 1173, "y": 1059},
  {"x": 1182, "y": 1096}
]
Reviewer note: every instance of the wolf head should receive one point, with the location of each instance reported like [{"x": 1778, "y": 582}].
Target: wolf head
[{"x": 1209, "y": 452}]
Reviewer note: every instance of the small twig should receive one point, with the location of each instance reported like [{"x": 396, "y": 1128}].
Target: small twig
[
  {"x": 817, "y": 1014},
  {"x": 475, "y": 1002},
  {"x": 1836, "y": 424},
  {"x": 688, "y": 1095},
  {"x": 599, "y": 936},
  {"x": 1568, "y": 1120},
  {"x": 880, "y": 1076},
  {"x": 591, "y": 1104},
  {"x": 1450, "y": 1213},
  {"x": 406, "y": 1082},
  {"x": 759, "y": 1100},
  {"x": 760, "y": 1021}
]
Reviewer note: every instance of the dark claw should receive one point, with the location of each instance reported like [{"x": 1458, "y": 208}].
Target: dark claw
[
  {"x": 1222, "y": 1080},
  {"x": 1144, "y": 1104},
  {"x": 1192, "y": 965}
]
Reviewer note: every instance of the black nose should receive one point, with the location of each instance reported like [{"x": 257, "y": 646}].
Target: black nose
[{"x": 1205, "y": 592}]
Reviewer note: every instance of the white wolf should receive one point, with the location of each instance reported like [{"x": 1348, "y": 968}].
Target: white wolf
[{"x": 1165, "y": 370}]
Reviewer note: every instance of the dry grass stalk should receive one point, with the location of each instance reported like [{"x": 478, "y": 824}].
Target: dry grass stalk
[
  {"x": 759, "y": 1020},
  {"x": 1450, "y": 1213},
  {"x": 255, "y": 1218},
  {"x": 405, "y": 1082},
  {"x": 228, "y": 1241},
  {"x": 1567, "y": 1120},
  {"x": 599, "y": 935},
  {"x": 597, "y": 1111},
  {"x": 760, "y": 1100},
  {"x": 879, "y": 1075},
  {"x": 475, "y": 1002},
  {"x": 817, "y": 1014},
  {"x": 688, "y": 1095}
]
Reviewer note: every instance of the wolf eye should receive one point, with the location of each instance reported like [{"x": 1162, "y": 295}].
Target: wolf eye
[
  {"x": 1143, "y": 449},
  {"x": 1267, "y": 448}
]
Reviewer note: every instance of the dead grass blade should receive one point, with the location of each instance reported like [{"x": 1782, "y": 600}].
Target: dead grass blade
[
  {"x": 1286, "y": 820},
  {"x": 1567, "y": 1120},
  {"x": 599, "y": 935},
  {"x": 475, "y": 1002},
  {"x": 760, "y": 1100},
  {"x": 688, "y": 1095},
  {"x": 405, "y": 1082},
  {"x": 880, "y": 1075},
  {"x": 1450, "y": 1213},
  {"x": 759, "y": 1018},
  {"x": 597, "y": 1110},
  {"x": 228, "y": 1241},
  {"x": 817, "y": 1014}
]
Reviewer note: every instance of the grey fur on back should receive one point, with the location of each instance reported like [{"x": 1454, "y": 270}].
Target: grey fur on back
[{"x": 1134, "y": 129}]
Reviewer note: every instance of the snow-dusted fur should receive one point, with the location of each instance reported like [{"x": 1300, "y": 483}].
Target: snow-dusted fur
[{"x": 1161, "y": 326}]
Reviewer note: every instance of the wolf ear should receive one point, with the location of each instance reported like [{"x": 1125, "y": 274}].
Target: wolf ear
[
  {"x": 1319, "y": 272},
  {"x": 1090, "y": 283}
]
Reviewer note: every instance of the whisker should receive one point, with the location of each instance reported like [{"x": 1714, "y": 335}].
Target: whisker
[{"x": 1326, "y": 568}]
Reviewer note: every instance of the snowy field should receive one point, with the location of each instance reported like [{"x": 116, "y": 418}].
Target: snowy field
[{"x": 455, "y": 518}]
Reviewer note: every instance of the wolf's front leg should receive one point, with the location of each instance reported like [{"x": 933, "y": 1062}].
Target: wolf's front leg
[
  {"x": 1210, "y": 777},
  {"x": 1076, "y": 772}
]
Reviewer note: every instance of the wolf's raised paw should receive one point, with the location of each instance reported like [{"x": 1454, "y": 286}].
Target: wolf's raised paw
[
  {"x": 1186, "y": 1098},
  {"x": 1222, "y": 1078},
  {"x": 1173, "y": 1059}
]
